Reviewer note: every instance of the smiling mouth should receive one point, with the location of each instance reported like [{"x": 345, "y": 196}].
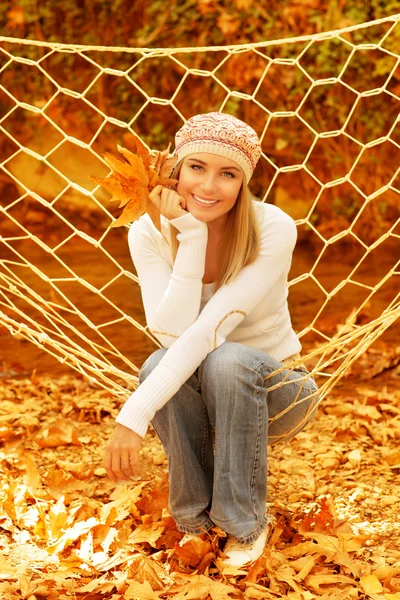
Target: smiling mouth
[{"x": 204, "y": 202}]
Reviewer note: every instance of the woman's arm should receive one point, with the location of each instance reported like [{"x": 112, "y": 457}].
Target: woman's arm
[{"x": 171, "y": 296}]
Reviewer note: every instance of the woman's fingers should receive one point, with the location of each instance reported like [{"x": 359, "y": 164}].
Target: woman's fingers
[
  {"x": 172, "y": 204},
  {"x": 116, "y": 466},
  {"x": 155, "y": 195},
  {"x": 122, "y": 464},
  {"x": 174, "y": 199},
  {"x": 107, "y": 462},
  {"x": 169, "y": 202},
  {"x": 126, "y": 466},
  {"x": 121, "y": 456},
  {"x": 134, "y": 462}
]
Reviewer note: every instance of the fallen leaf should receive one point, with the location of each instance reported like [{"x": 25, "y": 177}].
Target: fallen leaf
[
  {"x": 146, "y": 533},
  {"x": 149, "y": 570},
  {"x": 393, "y": 458},
  {"x": 316, "y": 581},
  {"x": 354, "y": 458},
  {"x": 200, "y": 587},
  {"x": 155, "y": 501},
  {"x": 57, "y": 436},
  {"x": 320, "y": 519},
  {"x": 100, "y": 585},
  {"x": 193, "y": 551},
  {"x": 78, "y": 470},
  {"x": 140, "y": 591},
  {"x": 72, "y": 534},
  {"x": 371, "y": 584},
  {"x": 100, "y": 472},
  {"x": 57, "y": 519},
  {"x": 32, "y": 477},
  {"x": 307, "y": 565},
  {"x": 58, "y": 479}
]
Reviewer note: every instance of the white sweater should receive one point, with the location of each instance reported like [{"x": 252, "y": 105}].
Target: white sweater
[{"x": 191, "y": 320}]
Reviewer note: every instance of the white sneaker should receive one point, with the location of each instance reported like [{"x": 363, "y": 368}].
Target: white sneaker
[{"x": 240, "y": 554}]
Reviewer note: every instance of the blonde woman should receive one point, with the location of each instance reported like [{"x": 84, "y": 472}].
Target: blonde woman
[{"x": 214, "y": 290}]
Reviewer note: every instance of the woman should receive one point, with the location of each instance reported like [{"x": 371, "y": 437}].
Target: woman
[{"x": 214, "y": 290}]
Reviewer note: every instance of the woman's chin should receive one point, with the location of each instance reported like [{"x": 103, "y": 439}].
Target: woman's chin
[
  {"x": 201, "y": 214},
  {"x": 201, "y": 217}
]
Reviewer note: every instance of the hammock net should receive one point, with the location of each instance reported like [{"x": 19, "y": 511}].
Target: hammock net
[{"x": 334, "y": 153}]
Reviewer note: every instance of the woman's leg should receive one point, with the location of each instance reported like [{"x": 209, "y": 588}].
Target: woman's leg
[
  {"x": 184, "y": 429},
  {"x": 292, "y": 404},
  {"x": 235, "y": 391}
]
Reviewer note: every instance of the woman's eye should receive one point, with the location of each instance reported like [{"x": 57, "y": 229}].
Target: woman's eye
[{"x": 200, "y": 168}]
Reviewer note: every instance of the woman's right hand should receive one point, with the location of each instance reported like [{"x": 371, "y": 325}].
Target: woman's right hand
[
  {"x": 121, "y": 456},
  {"x": 169, "y": 202}
]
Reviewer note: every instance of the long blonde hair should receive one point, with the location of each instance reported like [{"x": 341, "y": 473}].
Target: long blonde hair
[{"x": 241, "y": 238}]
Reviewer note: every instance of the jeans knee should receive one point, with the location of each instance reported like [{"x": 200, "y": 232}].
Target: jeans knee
[
  {"x": 292, "y": 422},
  {"x": 150, "y": 363},
  {"x": 308, "y": 406},
  {"x": 225, "y": 361}
]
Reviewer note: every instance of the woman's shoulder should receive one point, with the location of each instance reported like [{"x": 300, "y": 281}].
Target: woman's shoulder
[
  {"x": 269, "y": 214},
  {"x": 143, "y": 235},
  {"x": 144, "y": 227},
  {"x": 277, "y": 228}
]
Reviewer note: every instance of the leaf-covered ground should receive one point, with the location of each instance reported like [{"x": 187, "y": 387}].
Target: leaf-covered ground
[{"x": 66, "y": 531}]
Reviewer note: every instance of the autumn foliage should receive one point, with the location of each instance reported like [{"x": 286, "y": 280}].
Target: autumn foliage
[
  {"x": 69, "y": 532},
  {"x": 130, "y": 182},
  {"x": 159, "y": 91}
]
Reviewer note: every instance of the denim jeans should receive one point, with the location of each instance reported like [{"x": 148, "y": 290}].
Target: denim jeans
[{"x": 221, "y": 479}]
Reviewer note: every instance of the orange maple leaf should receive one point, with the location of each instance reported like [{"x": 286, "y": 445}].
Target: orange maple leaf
[
  {"x": 194, "y": 551},
  {"x": 132, "y": 180},
  {"x": 57, "y": 436},
  {"x": 320, "y": 519}
]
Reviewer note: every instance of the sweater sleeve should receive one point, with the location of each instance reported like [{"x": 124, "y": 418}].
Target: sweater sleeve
[
  {"x": 221, "y": 315},
  {"x": 171, "y": 297}
]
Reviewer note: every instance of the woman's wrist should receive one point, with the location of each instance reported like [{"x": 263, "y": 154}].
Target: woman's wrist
[{"x": 188, "y": 222}]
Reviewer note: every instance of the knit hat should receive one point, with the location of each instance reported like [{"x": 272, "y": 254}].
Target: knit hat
[{"x": 219, "y": 133}]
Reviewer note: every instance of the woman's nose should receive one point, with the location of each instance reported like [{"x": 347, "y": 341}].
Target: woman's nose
[{"x": 209, "y": 184}]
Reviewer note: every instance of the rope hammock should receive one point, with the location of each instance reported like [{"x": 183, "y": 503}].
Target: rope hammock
[{"x": 62, "y": 320}]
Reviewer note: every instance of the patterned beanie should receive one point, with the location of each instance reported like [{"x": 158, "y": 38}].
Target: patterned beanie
[{"x": 219, "y": 133}]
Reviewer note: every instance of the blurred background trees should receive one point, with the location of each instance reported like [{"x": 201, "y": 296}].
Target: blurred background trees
[{"x": 198, "y": 23}]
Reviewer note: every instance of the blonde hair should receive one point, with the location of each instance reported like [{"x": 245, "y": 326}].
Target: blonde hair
[{"x": 241, "y": 238}]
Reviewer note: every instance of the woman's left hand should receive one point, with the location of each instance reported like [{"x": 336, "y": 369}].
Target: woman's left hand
[
  {"x": 170, "y": 204},
  {"x": 121, "y": 458}
]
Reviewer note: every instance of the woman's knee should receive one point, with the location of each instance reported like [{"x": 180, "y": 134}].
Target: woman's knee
[
  {"x": 150, "y": 363},
  {"x": 292, "y": 420},
  {"x": 227, "y": 360}
]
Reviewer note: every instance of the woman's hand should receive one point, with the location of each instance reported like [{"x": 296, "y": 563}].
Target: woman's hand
[
  {"x": 121, "y": 458},
  {"x": 169, "y": 202}
]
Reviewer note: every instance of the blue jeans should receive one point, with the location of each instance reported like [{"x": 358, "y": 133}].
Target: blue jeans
[{"x": 223, "y": 481}]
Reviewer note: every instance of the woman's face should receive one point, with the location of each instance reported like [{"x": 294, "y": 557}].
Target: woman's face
[{"x": 210, "y": 184}]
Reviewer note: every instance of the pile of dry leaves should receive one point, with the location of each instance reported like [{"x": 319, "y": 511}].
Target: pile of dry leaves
[{"x": 68, "y": 532}]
